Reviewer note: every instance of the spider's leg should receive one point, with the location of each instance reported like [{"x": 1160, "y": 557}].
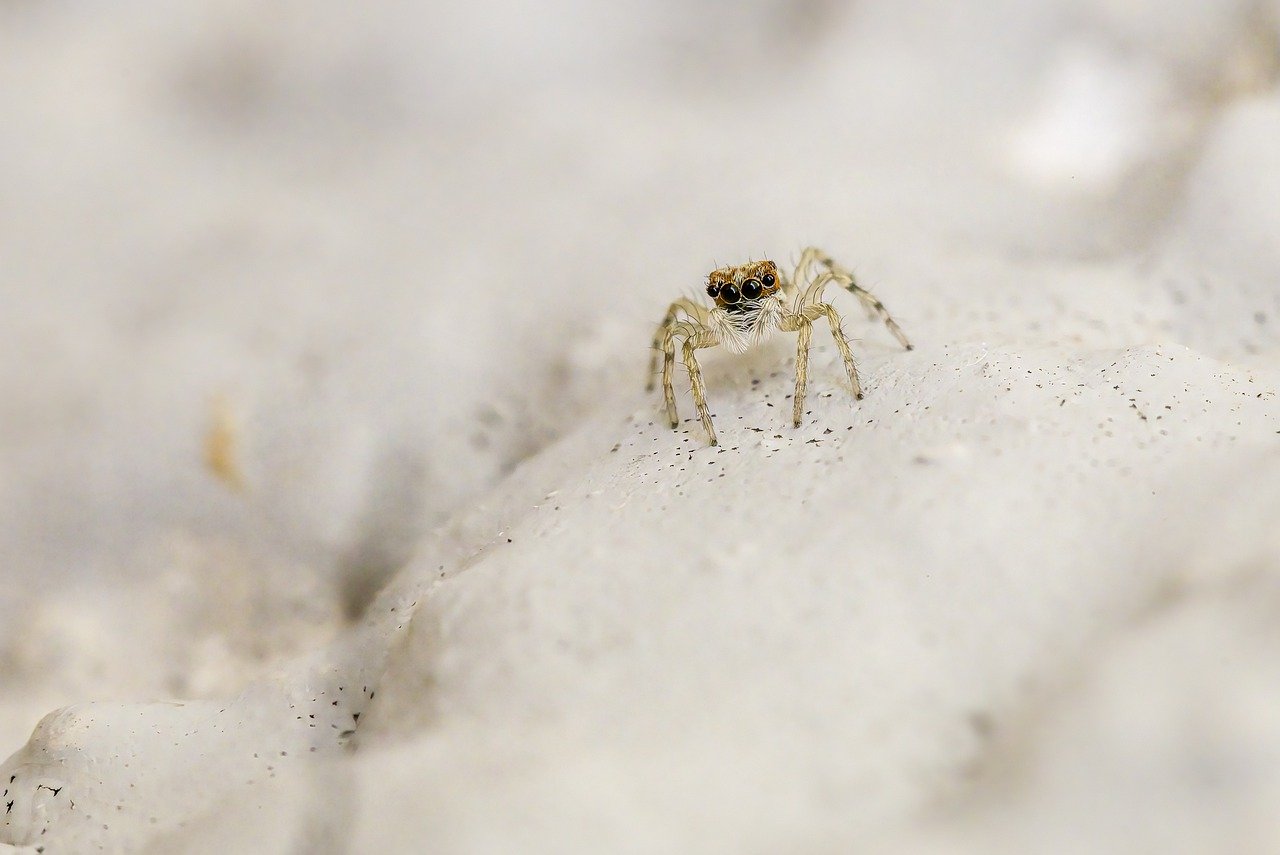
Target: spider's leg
[
  {"x": 846, "y": 280},
  {"x": 668, "y": 368},
  {"x": 802, "y": 323},
  {"x": 813, "y": 294},
  {"x": 874, "y": 305},
  {"x": 842, "y": 343},
  {"x": 802, "y": 367},
  {"x": 690, "y": 331},
  {"x": 803, "y": 266},
  {"x": 684, "y": 304},
  {"x": 703, "y": 339}
]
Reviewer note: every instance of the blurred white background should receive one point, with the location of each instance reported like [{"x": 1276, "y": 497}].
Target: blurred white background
[{"x": 284, "y": 286}]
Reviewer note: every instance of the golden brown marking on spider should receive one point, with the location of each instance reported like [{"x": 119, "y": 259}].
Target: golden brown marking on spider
[{"x": 751, "y": 301}]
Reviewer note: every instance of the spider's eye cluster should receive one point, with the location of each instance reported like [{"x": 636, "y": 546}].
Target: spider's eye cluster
[{"x": 728, "y": 293}]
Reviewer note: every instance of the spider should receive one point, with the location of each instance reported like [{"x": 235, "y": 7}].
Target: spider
[{"x": 751, "y": 301}]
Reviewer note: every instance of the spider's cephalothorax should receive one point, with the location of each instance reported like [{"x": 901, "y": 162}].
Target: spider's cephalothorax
[
  {"x": 752, "y": 300},
  {"x": 749, "y": 303}
]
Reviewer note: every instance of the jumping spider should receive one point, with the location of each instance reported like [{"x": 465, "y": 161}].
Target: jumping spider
[{"x": 751, "y": 301}]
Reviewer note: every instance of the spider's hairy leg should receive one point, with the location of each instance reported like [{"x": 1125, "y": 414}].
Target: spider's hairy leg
[
  {"x": 803, "y": 266},
  {"x": 668, "y": 368},
  {"x": 842, "y": 343},
  {"x": 703, "y": 339},
  {"x": 802, "y": 323},
  {"x": 689, "y": 330},
  {"x": 874, "y": 305},
  {"x": 846, "y": 280},
  {"x": 689, "y": 307},
  {"x": 805, "y": 327},
  {"x": 813, "y": 294}
]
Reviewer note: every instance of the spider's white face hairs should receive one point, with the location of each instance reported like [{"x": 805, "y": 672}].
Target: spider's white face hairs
[{"x": 751, "y": 301}]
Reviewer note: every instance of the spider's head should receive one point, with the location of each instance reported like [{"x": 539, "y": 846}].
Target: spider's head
[{"x": 738, "y": 288}]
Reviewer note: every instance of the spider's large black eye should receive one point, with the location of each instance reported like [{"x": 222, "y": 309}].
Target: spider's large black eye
[
  {"x": 751, "y": 289},
  {"x": 768, "y": 279},
  {"x": 712, "y": 288},
  {"x": 729, "y": 294}
]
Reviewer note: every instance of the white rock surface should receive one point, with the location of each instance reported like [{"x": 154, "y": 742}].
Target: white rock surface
[{"x": 334, "y": 518}]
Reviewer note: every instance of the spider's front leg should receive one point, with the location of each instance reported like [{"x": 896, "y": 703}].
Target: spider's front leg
[
  {"x": 802, "y": 368},
  {"x": 802, "y": 323},
  {"x": 704, "y": 338},
  {"x": 695, "y": 336},
  {"x": 668, "y": 368},
  {"x": 694, "y": 310}
]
